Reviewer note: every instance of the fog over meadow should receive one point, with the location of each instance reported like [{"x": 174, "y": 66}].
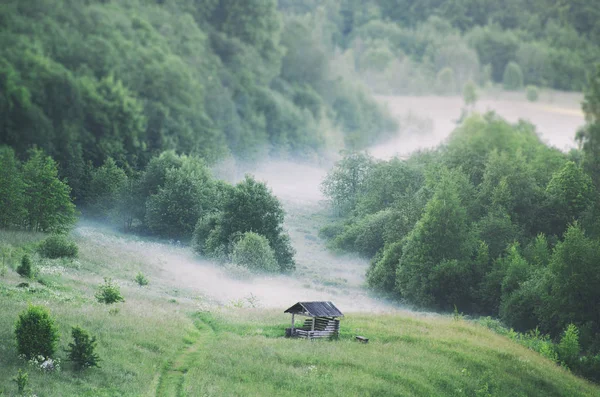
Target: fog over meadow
[{"x": 425, "y": 122}]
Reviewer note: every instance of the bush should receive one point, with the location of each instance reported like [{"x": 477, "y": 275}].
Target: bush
[
  {"x": 109, "y": 293},
  {"x": 81, "y": 350},
  {"x": 141, "y": 280},
  {"x": 253, "y": 251},
  {"x": 24, "y": 268},
  {"x": 513, "y": 77},
  {"x": 532, "y": 93},
  {"x": 445, "y": 82},
  {"x": 36, "y": 332},
  {"x": 58, "y": 246},
  {"x": 470, "y": 93},
  {"x": 22, "y": 379},
  {"x": 568, "y": 348}
]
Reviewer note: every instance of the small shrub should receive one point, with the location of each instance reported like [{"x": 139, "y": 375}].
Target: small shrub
[
  {"x": 470, "y": 93},
  {"x": 24, "y": 268},
  {"x": 513, "y": 77},
  {"x": 568, "y": 348},
  {"x": 109, "y": 292},
  {"x": 58, "y": 246},
  {"x": 253, "y": 251},
  {"x": 81, "y": 350},
  {"x": 3, "y": 270},
  {"x": 532, "y": 93},
  {"x": 36, "y": 332},
  {"x": 445, "y": 82},
  {"x": 141, "y": 280},
  {"x": 22, "y": 380}
]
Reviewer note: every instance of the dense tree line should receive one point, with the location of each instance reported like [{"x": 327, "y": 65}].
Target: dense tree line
[
  {"x": 176, "y": 198},
  {"x": 493, "y": 222},
  {"x": 32, "y": 196},
  {"x": 127, "y": 80},
  {"x": 403, "y": 45}
]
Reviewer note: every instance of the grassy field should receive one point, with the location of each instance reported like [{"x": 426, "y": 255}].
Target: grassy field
[{"x": 167, "y": 341}]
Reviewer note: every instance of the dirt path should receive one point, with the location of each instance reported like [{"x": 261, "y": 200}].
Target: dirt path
[{"x": 173, "y": 376}]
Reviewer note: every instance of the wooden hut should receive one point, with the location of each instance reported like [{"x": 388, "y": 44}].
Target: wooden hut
[{"x": 322, "y": 322}]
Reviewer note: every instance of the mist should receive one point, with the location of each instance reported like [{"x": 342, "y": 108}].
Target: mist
[{"x": 425, "y": 122}]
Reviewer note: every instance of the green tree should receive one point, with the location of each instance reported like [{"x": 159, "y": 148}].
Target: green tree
[
  {"x": 445, "y": 82},
  {"x": 24, "y": 268},
  {"x": 187, "y": 194},
  {"x": 569, "y": 193},
  {"x": 512, "y": 78},
  {"x": 439, "y": 240},
  {"x": 532, "y": 93},
  {"x": 115, "y": 120},
  {"x": 575, "y": 285},
  {"x": 47, "y": 198},
  {"x": 568, "y": 348},
  {"x": 12, "y": 190},
  {"x": 589, "y": 135},
  {"x": 82, "y": 350},
  {"x": 36, "y": 333},
  {"x": 347, "y": 180},
  {"x": 252, "y": 207},
  {"x": 470, "y": 93},
  {"x": 381, "y": 275},
  {"x": 253, "y": 251},
  {"x": 105, "y": 187}
]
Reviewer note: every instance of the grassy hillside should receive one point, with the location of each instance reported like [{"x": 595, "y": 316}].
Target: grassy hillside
[{"x": 169, "y": 341}]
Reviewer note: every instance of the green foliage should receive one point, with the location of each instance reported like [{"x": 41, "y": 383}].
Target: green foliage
[
  {"x": 141, "y": 280},
  {"x": 109, "y": 292},
  {"x": 589, "y": 135},
  {"x": 253, "y": 207},
  {"x": 253, "y": 251},
  {"x": 58, "y": 246},
  {"x": 187, "y": 193},
  {"x": 105, "y": 186},
  {"x": 470, "y": 93},
  {"x": 47, "y": 198},
  {"x": 82, "y": 350},
  {"x": 445, "y": 82},
  {"x": 569, "y": 193},
  {"x": 512, "y": 79},
  {"x": 24, "y": 269},
  {"x": 532, "y": 93},
  {"x": 344, "y": 184},
  {"x": 381, "y": 275},
  {"x": 572, "y": 294},
  {"x": 12, "y": 189},
  {"x": 568, "y": 348},
  {"x": 22, "y": 380},
  {"x": 32, "y": 195},
  {"x": 36, "y": 333},
  {"x": 438, "y": 240}
]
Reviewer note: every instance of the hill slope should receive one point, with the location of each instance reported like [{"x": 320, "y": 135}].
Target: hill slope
[{"x": 168, "y": 341}]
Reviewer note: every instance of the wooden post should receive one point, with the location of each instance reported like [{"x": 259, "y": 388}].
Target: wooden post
[
  {"x": 313, "y": 325},
  {"x": 293, "y": 320}
]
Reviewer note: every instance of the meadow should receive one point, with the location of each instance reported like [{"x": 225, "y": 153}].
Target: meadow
[{"x": 168, "y": 341}]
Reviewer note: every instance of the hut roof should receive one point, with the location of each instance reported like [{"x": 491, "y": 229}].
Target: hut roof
[{"x": 315, "y": 309}]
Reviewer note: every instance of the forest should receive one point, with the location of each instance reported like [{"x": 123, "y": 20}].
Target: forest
[
  {"x": 118, "y": 113},
  {"x": 493, "y": 222}
]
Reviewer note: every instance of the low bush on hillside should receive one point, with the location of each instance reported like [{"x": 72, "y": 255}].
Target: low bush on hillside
[
  {"x": 141, "y": 280},
  {"x": 81, "y": 350},
  {"x": 58, "y": 246},
  {"x": 109, "y": 293},
  {"x": 24, "y": 268},
  {"x": 36, "y": 333},
  {"x": 253, "y": 252}
]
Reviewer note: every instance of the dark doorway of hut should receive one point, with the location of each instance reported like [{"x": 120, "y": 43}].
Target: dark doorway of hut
[{"x": 322, "y": 322}]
